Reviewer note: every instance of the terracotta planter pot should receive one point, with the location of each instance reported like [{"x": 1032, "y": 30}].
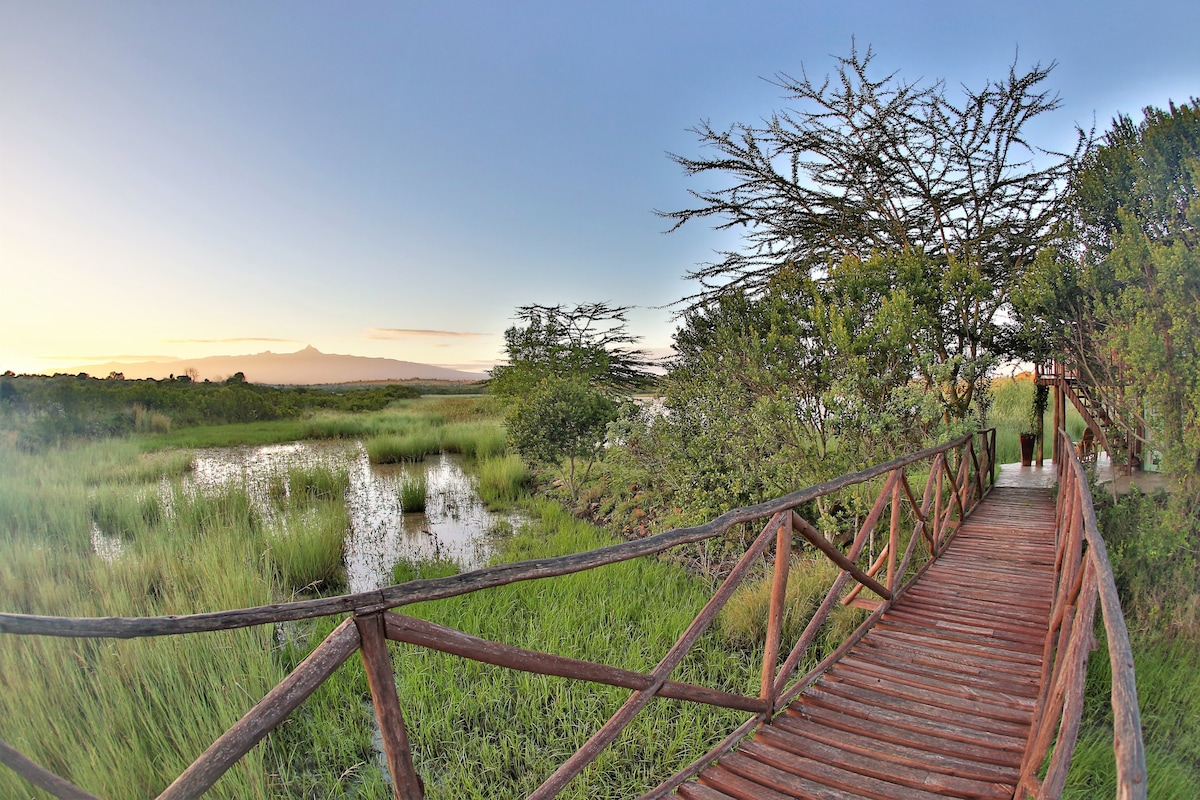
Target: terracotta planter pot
[{"x": 1028, "y": 440}]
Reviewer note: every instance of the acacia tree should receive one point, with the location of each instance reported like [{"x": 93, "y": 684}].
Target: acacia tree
[
  {"x": 589, "y": 341},
  {"x": 947, "y": 195},
  {"x": 567, "y": 370}
]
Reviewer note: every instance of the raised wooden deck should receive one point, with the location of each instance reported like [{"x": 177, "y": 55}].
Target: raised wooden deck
[{"x": 937, "y": 700}]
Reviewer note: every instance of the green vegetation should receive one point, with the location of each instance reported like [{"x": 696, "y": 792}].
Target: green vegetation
[
  {"x": 308, "y": 547},
  {"x": 412, "y": 490},
  {"x": 122, "y": 718},
  {"x": 477, "y": 439},
  {"x": 497, "y": 733},
  {"x": 743, "y": 622},
  {"x": 503, "y": 479},
  {"x": 567, "y": 372},
  {"x": 44, "y": 410},
  {"x": 405, "y": 447}
]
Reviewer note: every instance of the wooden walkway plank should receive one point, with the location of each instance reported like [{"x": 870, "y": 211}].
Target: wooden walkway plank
[{"x": 937, "y": 699}]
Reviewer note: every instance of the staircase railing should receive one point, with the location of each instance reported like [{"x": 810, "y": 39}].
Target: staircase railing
[
  {"x": 1084, "y": 575},
  {"x": 959, "y": 473}
]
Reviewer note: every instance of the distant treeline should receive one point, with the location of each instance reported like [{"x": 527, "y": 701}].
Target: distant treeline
[{"x": 44, "y": 409}]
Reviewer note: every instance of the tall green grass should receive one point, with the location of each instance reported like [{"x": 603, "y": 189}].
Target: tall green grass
[
  {"x": 123, "y": 718},
  {"x": 405, "y": 447},
  {"x": 1169, "y": 695},
  {"x": 319, "y": 483},
  {"x": 503, "y": 480},
  {"x": 1011, "y": 402},
  {"x": 481, "y": 731},
  {"x": 477, "y": 439},
  {"x": 412, "y": 490},
  {"x": 743, "y": 621},
  {"x": 308, "y": 547}
]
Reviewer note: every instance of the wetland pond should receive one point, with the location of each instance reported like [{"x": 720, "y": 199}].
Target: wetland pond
[{"x": 454, "y": 524}]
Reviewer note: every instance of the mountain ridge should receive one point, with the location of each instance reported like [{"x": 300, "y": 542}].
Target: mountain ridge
[{"x": 308, "y": 366}]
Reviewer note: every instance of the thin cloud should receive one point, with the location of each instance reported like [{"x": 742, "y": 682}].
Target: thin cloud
[
  {"x": 416, "y": 333},
  {"x": 230, "y": 340}
]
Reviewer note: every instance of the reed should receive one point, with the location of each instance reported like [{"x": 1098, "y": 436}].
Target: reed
[
  {"x": 412, "y": 490},
  {"x": 320, "y": 483},
  {"x": 308, "y": 547},
  {"x": 478, "y": 439},
  {"x": 389, "y": 449},
  {"x": 503, "y": 479}
]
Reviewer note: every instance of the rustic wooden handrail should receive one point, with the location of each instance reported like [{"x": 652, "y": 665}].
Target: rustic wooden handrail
[
  {"x": 1084, "y": 576},
  {"x": 958, "y": 478},
  {"x": 418, "y": 591}
]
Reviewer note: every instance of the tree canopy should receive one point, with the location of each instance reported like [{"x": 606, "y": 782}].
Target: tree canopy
[
  {"x": 567, "y": 369},
  {"x": 923, "y": 210},
  {"x": 864, "y": 165},
  {"x": 590, "y": 341},
  {"x": 1121, "y": 290}
]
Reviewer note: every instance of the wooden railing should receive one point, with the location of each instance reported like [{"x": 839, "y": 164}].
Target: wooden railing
[
  {"x": 1083, "y": 576},
  {"x": 959, "y": 474}
]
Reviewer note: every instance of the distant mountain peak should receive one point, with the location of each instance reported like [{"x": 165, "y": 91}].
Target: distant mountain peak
[{"x": 306, "y": 366}]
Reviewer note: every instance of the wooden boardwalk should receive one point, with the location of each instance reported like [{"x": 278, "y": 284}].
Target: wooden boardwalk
[{"x": 937, "y": 700}]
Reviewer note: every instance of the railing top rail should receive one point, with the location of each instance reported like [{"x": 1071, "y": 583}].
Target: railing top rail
[
  {"x": 1129, "y": 748},
  {"x": 439, "y": 588}
]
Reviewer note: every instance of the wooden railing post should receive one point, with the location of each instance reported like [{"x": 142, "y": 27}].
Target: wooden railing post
[
  {"x": 894, "y": 536},
  {"x": 382, "y": 681},
  {"x": 783, "y": 557}
]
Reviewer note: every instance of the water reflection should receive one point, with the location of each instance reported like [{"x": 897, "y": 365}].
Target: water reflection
[{"x": 454, "y": 524}]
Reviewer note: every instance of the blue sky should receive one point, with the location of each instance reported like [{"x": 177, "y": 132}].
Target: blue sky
[{"x": 393, "y": 179}]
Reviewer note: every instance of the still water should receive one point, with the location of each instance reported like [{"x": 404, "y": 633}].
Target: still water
[{"x": 455, "y": 523}]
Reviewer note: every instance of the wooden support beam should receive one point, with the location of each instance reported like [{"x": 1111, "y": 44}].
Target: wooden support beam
[
  {"x": 401, "y": 628},
  {"x": 783, "y": 558},
  {"x": 39, "y": 776},
  {"x": 268, "y": 713},
  {"x": 625, "y": 714},
  {"x": 815, "y": 538},
  {"x": 378, "y": 665}
]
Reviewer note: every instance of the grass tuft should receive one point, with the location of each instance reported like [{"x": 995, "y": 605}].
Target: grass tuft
[
  {"x": 503, "y": 479},
  {"x": 308, "y": 547},
  {"x": 412, "y": 490},
  {"x": 414, "y": 446}
]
